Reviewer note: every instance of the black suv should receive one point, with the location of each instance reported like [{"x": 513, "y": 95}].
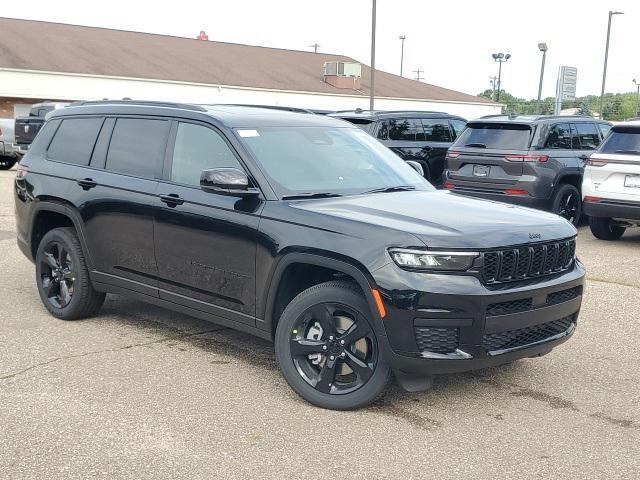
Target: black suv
[
  {"x": 535, "y": 161},
  {"x": 293, "y": 227},
  {"x": 422, "y": 137}
]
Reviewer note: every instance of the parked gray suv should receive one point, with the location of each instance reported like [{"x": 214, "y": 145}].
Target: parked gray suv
[{"x": 535, "y": 161}]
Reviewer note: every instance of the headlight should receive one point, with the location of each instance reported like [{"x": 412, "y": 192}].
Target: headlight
[{"x": 432, "y": 260}]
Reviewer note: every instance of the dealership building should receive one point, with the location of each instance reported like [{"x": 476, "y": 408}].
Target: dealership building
[{"x": 42, "y": 61}]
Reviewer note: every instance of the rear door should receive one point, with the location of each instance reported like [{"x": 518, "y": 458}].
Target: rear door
[
  {"x": 588, "y": 140},
  {"x": 121, "y": 201},
  {"x": 490, "y": 153},
  {"x": 438, "y": 137}
]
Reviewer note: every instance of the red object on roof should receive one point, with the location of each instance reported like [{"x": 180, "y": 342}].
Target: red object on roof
[{"x": 202, "y": 36}]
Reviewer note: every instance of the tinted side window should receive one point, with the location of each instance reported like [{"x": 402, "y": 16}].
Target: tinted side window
[
  {"x": 559, "y": 137},
  {"x": 198, "y": 148},
  {"x": 605, "y": 128},
  {"x": 588, "y": 136},
  {"x": 137, "y": 146},
  {"x": 458, "y": 126},
  {"x": 436, "y": 130},
  {"x": 405, "y": 129},
  {"x": 74, "y": 140},
  {"x": 383, "y": 130}
]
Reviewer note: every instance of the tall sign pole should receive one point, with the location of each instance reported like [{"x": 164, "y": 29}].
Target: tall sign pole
[{"x": 373, "y": 55}]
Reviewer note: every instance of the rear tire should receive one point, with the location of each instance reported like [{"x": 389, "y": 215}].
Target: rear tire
[
  {"x": 312, "y": 356},
  {"x": 567, "y": 203},
  {"x": 62, "y": 276},
  {"x": 604, "y": 229}
]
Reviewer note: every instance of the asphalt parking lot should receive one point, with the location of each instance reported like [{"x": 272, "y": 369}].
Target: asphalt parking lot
[{"x": 140, "y": 392}]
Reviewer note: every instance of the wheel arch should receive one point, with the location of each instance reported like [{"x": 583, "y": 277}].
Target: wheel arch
[
  {"x": 572, "y": 177},
  {"x": 61, "y": 209},
  {"x": 343, "y": 266}
]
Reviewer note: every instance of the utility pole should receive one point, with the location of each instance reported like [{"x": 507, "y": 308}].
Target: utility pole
[
  {"x": 543, "y": 48},
  {"x": 418, "y": 72},
  {"x": 315, "y": 47},
  {"x": 606, "y": 57},
  {"x": 402, "y": 39},
  {"x": 373, "y": 55},
  {"x": 493, "y": 81},
  {"x": 637, "y": 84}
]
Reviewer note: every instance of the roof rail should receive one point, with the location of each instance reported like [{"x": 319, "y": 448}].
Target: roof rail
[
  {"x": 269, "y": 107},
  {"x": 149, "y": 103},
  {"x": 374, "y": 112}
]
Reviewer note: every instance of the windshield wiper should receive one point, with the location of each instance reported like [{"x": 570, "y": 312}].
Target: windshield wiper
[
  {"x": 628, "y": 152},
  {"x": 311, "y": 195},
  {"x": 477, "y": 145},
  {"x": 398, "y": 188}
]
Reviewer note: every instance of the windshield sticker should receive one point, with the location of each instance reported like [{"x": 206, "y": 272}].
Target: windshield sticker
[{"x": 248, "y": 133}]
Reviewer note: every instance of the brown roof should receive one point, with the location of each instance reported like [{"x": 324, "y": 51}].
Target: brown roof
[{"x": 44, "y": 46}]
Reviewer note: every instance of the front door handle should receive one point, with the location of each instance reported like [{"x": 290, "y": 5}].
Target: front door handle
[
  {"x": 171, "y": 199},
  {"x": 86, "y": 183}
]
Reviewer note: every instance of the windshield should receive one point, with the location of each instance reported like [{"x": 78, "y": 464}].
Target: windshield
[
  {"x": 332, "y": 160},
  {"x": 622, "y": 141},
  {"x": 497, "y": 136}
]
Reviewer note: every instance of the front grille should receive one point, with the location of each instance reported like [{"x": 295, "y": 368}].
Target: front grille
[
  {"x": 521, "y": 263},
  {"x": 435, "y": 339},
  {"x": 525, "y": 304},
  {"x": 526, "y": 336}
]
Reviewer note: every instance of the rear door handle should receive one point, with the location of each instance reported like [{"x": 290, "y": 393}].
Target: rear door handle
[
  {"x": 171, "y": 199},
  {"x": 584, "y": 157},
  {"x": 86, "y": 183}
]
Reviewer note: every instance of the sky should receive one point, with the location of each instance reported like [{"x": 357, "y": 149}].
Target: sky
[{"x": 451, "y": 41}]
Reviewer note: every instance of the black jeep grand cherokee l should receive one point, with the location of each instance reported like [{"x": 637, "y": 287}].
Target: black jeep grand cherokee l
[{"x": 296, "y": 228}]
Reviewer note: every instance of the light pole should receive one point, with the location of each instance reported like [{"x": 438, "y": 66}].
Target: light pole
[
  {"x": 543, "y": 48},
  {"x": 637, "y": 84},
  {"x": 373, "y": 54},
  {"x": 606, "y": 57},
  {"x": 500, "y": 58},
  {"x": 402, "y": 39}
]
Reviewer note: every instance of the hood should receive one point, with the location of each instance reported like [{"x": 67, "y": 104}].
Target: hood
[{"x": 443, "y": 219}]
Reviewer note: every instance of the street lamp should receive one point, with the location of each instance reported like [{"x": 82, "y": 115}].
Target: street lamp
[
  {"x": 500, "y": 58},
  {"x": 606, "y": 57},
  {"x": 402, "y": 39},
  {"x": 637, "y": 84},
  {"x": 543, "y": 48}
]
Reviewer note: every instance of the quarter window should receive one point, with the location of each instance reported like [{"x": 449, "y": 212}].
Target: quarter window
[
  {"x": 604, "y": 129},
  {"x": 458, "y": 126},
  {"x": 559, "y": 137},
  {"x": 588, "y": 136},
  {"x": 74, "y": 140},
  {"x": 198, "y": 148},
  {"x": 137, "y": 146},
  {"x": 436, "y": 130}
]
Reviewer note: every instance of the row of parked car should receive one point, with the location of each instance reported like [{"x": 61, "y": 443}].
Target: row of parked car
[
  {"x": 567, "y": 165},
  {"x": 535, "y": 161}
]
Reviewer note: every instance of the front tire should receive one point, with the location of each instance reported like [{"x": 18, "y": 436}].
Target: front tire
[
  {"x": 567, "y": 203},
  {"x": 327, "y": 349},
  {"x": 62, "y": 276},
  {"x": 604, "y": 229}
]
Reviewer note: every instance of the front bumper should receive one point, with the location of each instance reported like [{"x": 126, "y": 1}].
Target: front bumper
[
  {"x": 613, "y": 209},
  {"x": 446, "y": 323}
]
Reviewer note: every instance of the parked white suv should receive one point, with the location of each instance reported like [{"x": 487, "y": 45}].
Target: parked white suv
[{"x": 611, "y": 183}]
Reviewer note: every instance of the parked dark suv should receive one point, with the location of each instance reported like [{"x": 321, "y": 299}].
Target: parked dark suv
[
  {"x": 422, "y": 137},
  {"x": 293, "y": 227},
  {"x": 536, "y": 161}
]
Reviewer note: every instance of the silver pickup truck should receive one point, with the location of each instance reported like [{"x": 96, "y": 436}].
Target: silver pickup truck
[{"x": 9, "y": 154}]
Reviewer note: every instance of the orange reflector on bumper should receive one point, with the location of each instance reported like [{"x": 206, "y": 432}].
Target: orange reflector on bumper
[{"x": 379, "y": 305}]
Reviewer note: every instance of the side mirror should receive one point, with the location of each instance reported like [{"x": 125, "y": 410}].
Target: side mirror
[
  {"x": 227, "y": 181},
  {"x": 416, "y": 166}
]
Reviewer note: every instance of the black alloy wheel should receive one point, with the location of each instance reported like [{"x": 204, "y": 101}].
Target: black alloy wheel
[
  {"x": 327, "y": 349},
  {"x": 333, "y": 348},
  {"x": 57, "y": 274},
  {"x": 568, "y": 203}
]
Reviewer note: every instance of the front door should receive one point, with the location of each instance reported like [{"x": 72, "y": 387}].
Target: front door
[{"x": 205, "y": 242}]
